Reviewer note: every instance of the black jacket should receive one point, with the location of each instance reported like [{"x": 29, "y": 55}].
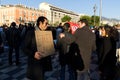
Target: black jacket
[
  {"x": 63, "y": 45},
  {"x": 13, "y": 37},
  {"x": 30, "y": 48}
]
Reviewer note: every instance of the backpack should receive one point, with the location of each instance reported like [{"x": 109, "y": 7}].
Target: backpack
[{"x": 73, "y": 57}]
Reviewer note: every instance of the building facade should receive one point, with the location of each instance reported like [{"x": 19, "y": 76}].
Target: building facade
[
  {"x": 54, "y": 14},
  {"x": 19, "y": 14},
  {"x": 23, "y": 14}
]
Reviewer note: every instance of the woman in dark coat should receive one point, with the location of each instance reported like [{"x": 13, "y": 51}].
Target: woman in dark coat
[
  {"x": 36, "y": 65},
  {"x": 107, "y": 53}
]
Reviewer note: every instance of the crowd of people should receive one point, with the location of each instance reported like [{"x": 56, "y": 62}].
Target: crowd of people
[{"x": 104, "y": 41}]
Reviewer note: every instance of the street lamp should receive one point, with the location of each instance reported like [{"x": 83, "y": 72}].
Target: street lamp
[
  {"x": 94, "y": 8},
  {"x": 0, "y": 2},
  {"x": 100, "y": 12}
]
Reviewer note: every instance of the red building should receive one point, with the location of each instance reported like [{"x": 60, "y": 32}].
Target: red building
[{"x": 19, "y": 14}]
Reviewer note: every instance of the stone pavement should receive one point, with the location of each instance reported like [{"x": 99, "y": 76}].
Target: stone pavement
[{"x": 14, "y": 72}]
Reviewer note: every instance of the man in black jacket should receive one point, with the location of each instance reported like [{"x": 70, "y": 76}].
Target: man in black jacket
[
  {"x": 13, "y": 38},
  {"x": 86, "y": 42},
  {"x": 36, "y": 64},
  {"x": 64, "y": 40}
]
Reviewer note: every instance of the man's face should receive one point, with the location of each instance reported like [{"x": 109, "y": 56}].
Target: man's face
[
  {"x": 43, "y": 25},
  {"x": 81, "y": 24}
]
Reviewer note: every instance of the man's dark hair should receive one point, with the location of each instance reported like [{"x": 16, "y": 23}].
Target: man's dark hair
[
  {"x": 13, "y": 24},
  {"x": 84, "y": 21},
  {"x": 41, "y": 19},
  {"x": 66, "y": 26}
]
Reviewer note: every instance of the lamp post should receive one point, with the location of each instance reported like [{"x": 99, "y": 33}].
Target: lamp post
[
  {"x": 94, "y": 8},
  {"x": 0, "y": 2},
  {"x": 100, "y": 12}
]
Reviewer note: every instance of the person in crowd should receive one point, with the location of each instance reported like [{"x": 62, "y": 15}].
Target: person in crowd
[
  {"x": 64, "y": 41},
  {"x": 117, "y": 28},
  {"x": 36, "y": 65},
  {"x": 13, "y": 38},
  {"x": 87, "y": 45},
  {"x": 5, "y": 30},
  {"x": 107, "y": 53},
  {"x": 1, "y": 45},
  {"x": 21, "y": 26},
  {"x": 59, "y": 30},
  {"x": 3, "y": 41},
  {"x": 118, "y": 52},
  {"x": 26, "y": 28}
]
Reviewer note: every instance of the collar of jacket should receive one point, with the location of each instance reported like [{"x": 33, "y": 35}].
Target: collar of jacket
[
  {"x": 85, "y": 27},
  {"x": 37, "y": 28}
]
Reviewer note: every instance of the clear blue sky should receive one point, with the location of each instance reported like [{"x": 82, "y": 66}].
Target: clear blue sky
[{"x": 110, "y": 8}]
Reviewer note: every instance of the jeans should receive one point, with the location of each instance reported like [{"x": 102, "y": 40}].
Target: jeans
[{"x": 71, "y": 71}]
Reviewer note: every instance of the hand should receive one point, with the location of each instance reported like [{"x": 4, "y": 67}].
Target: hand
[
  {"x": 37, "y": 55},
  {"x": 62, "y": 35}
]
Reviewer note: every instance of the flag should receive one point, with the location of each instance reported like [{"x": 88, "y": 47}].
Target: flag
[{"x": 73, "y": 26}]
